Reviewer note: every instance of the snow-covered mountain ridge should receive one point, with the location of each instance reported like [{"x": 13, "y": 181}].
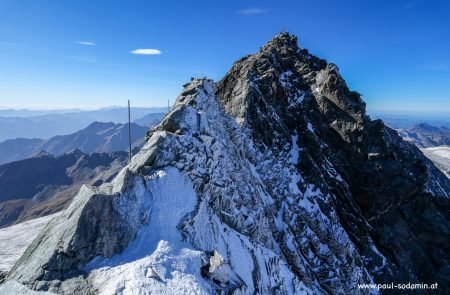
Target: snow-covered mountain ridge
[{"x": 272, "y": 181}]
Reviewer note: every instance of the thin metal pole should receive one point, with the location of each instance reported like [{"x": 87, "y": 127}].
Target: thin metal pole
[{"x": 129, "y": 128}]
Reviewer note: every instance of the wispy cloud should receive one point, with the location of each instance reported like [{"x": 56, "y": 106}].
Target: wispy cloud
[
  {"x": 87, "y": 43},
  {"x": 146, "y": 51},
  {"x": 252, "y": 11},
  {"x": 436, "y": 67}
]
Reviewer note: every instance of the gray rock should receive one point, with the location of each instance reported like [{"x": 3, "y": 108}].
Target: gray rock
[{"x": 299, "y": 191}]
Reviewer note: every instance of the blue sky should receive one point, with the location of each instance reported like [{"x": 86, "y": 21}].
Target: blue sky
[{"x": 79, "y": 53}]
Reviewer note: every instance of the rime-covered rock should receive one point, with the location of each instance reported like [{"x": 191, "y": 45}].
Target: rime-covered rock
[{"x": 272, "y": 181}]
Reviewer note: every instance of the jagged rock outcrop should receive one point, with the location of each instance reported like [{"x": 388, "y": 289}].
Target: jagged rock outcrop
[
  {"x": 386, "y": 181},
  {"x": 272, "y": 181}
]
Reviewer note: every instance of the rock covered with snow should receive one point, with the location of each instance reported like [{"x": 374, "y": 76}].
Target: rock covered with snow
[
  {"x": 272, "y": 181},
  {"x": 380, "y": 186}
]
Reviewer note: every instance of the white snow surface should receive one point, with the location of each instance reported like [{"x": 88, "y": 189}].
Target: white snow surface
[
  {"x": 157, "y": 259},
  {"x": 440, "y": 151},
  {"x": 310, "y": 127},
  {"x": 440, "y": 156},
  {"x": 14, "y": 288},
  {"x": 15, "y": 239}
]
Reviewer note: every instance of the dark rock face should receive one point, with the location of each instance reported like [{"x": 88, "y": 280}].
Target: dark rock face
[
  {"x": 394, "y": 194},
  {"x": 2, "y": 276},
  {"x": 297, "y": 190},
  {"x": 11, "y": 210}
]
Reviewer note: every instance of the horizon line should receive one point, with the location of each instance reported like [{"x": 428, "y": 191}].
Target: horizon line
[{"x": 62, "y": 108}]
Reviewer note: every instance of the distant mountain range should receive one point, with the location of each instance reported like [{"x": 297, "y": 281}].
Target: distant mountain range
[
  {"x": 410, "y": 120},
  {"x": 97, "y": 137},
  {"x": 424, "y": 135},
  {"x": 42, "y": 175},
  {"x": 32, "y": 113},
  {"x": 149, "y": 120},
  {"x": 46, "y": 124},
  {"x": 434, "y": 142},
  {"x": 46, "y": 184},
  {"x": 137, "y": 112}
]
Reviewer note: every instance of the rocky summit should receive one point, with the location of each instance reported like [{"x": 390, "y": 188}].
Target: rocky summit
[{"x": 273, "y": 180}]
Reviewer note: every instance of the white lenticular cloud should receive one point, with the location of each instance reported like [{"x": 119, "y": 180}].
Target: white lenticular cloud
[
  {"x": 146, "y": 51},
  {"x": 87, "y": 43}
]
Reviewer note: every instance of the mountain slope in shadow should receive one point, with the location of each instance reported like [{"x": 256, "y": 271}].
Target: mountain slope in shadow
[{"x": 46, "y": 184}]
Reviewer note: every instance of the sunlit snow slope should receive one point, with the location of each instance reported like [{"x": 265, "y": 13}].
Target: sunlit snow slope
[
  {"x": 440, "y": 156},
  {"x": 141, "y": 266},
  {"x": 15, "y": 239}
]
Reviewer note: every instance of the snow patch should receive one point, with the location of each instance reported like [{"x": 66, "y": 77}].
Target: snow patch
[
  {"x": 284, "y": 78},
  {"x": 310, "y": 127},
  {"x": 14, "y": 288},
  {"x": 297, "y": 99},
  {"x": 158, "y": 259},
  {"x": 15, "y": 239}
]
